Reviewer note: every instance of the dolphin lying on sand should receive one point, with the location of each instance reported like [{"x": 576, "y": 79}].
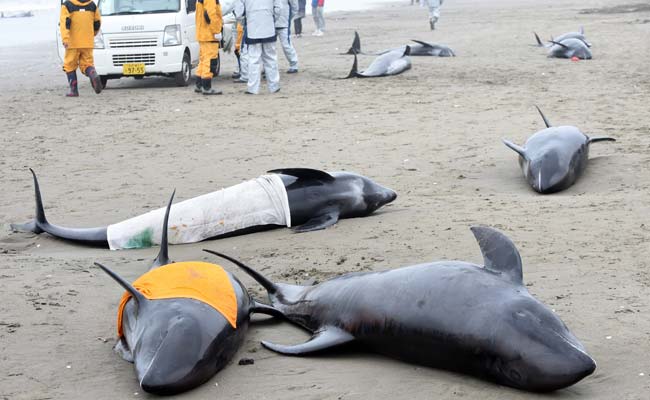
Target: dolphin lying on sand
[
  {"x": 302, "y": 198},
  {"x": 419, "y": 49},
  {"x": 455, "y": 315},
  {"x": 554, "y": 158},
  {"x": 580, "y": 35},
  {"x": 392, "y": 63},
  {"x": 181, "y": 322}
]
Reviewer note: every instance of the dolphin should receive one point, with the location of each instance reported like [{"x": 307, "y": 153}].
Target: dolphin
[
  {"x": 419, "y": 49},
  {"x": 455, "y": 315},
  {"x": 391, "y": 63},
  {"x": 569, "y": 48},
  {"x": 316, "y": 200},
  {"x": 178, "y": 343},
  {"x": 580, "y": 35},
  {"x": 554, "y": 158}
]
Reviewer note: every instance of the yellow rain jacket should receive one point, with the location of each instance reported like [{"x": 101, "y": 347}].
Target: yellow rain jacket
[
  {"x": 240, "y": 36},
  {"x": 79, "y": 23},
  {"x": 209, "y": 20},
  {"x": 205, "y": 282}
]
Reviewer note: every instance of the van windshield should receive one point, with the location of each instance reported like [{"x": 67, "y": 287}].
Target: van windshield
[{"x": 125, "y": 7}]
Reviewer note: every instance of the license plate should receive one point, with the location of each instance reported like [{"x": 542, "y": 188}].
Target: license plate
[{"x": 133, "y": 69}]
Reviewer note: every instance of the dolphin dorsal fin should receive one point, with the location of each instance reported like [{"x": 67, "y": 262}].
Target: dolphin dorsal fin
[
  {"x": 304, "y": 173},
  {"x": 425, "y": 44},
  {"x": 163, "y": 254},
  {"x": 539, "y": 41},
  {"x": 548, "y": 124},
  {"x": 500, "y": 255},
  {"x": 356, "y": 44},
  {"x": 139, "y": 297},
  {"x": 520, "y": 150},
  {"x": 407, "y": 51}
]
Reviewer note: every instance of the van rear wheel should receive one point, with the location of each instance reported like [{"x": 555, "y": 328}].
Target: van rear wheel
[{"x": 182, "y": 77}]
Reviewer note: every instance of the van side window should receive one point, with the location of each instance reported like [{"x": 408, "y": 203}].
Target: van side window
[{"x": 191, "y": 6}]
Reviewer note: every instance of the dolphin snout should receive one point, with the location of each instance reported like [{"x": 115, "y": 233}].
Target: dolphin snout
[
  {"x": 564, "y": 370},
  {"x": 392, "y": 195}
]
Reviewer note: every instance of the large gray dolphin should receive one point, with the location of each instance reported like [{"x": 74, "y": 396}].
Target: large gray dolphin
[
  {"x": 554, "y": 158},
  {"x": 177, "y": 343},
  {"x": 419, "y": 49},
  {"x": 454, "y": 315},
  {"x": 316, "y": 200},
  {"x": 391, "y": 63}
]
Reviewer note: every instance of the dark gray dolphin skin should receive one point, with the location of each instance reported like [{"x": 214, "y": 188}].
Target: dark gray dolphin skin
[
  {"x": 554, "y": 158},
  {"x": 317, "y": 199},
  {"x": 178, "y": 344},
  {"x": 419, "y": 49},
  {"x": 393, "y": 62},
  {"x": 451, "y": 315}
]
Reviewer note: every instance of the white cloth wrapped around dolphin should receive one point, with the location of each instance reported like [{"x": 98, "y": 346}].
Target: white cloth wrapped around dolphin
[
  {"x": 301, "y": 198},
  {"x": 213, "y": 214}
]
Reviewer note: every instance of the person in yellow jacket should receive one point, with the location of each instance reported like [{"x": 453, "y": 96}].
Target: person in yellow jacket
[
  {"x": 209, "y": 23},
  {"x": 79, "y": 23}
]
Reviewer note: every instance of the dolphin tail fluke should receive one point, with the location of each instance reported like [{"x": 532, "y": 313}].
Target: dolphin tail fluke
[
  {"x": 323, "y": 339},
  {"x": 139, "y": 297},
  {"x": 355, "y": 69},
  {"x": 539, "y": 41},
  {"x": 279, "y": 292},
  {"x": 356, "y": 44},
  {"x": 37, "y": 224},
  {"x": 601, "y": 139},
  {"x": 520, "y": 150},
  {"x": 548, "y": 124},
  {"x": 163, "y": 254}
]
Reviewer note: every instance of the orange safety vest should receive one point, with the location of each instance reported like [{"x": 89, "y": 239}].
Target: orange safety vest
[
  {"x": 79, "y": 23},
  {"x": 209, "y": 20},
  {"x": 205, "y": 282}
]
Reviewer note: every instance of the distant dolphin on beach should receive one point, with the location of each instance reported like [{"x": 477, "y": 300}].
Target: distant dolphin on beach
[
  {"x": 419, "y": 49},
  {"x": 569, "y": 35},
  {"x": 554, "y": 158},
  {"x": 302, "y": 198},
  {"x": 392, "y": 63}
]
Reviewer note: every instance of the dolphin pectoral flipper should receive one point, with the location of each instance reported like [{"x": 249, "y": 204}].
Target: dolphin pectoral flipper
[
  {"x": 260, "y": 308},
  {"x": 304, "y": 173},
  {"x": 323, "y": 339},
  {"x": 318, "y": 222},
  {"x": 500, "y": 255},
  {"x": 601, "y": 139},
  {"x": 122, "y": 349},
  {"x": 520, "y": 150}
]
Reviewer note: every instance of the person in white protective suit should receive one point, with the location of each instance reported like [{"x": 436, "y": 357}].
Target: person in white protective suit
[
  {"x": 260, "y": 39},
  {"x": 434, "y": 12},
  {"x": 283, "y": 29}
]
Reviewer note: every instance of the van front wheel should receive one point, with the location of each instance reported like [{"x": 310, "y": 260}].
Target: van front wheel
[{"x": 183, "y": 76}]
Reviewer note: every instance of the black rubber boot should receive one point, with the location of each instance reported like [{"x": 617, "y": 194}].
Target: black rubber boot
[
  {"x": 72, "y": 81},
  {"x": 207, "y": 88},
  {"x": 199, "y": 85},
  {"x": 94, "y": 79}
]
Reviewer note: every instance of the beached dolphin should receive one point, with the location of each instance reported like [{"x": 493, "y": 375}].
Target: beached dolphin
[
  {"x": 180, "y": 323},
  {"x": 554, "y": 158},
  {"x": 419, "y": 49},
  {"x": 569, "y": 48},
  {"x": 453, "y": 315},
  {"x": 392, "y": 63},
  {"x": 580, "y": 35},
  {"x": 305, "y": 199}
]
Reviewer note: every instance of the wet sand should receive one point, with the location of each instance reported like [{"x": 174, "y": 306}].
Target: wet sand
[{"x": 432, "y": 134}]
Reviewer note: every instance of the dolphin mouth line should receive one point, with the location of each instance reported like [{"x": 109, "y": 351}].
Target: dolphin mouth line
[
  {"x": 155, "y": 354},
  {"x": 574, "y": 346}
]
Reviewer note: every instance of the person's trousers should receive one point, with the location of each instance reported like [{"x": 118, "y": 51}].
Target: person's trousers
[
  {"x": 319, "y": 20},
  {"x": 76, "y": 58},
  {"x": 208, "y": 54},
  {"x": 265, "y": 54},
  {"x": 287, "y": 46},
  {"x": 243, "y": 62},
  {"x": 434, "y": 9},
  {"x": 297, "y": 24}
]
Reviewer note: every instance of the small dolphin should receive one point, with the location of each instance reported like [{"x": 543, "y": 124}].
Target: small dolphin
[
  {"x": 555, "y": 157},
  {"x": 315, "y": 200},
  {"x": 569, "y": 48},
  {"x": 419, "y": 49},
  {"x": 449, "y": 314},
  {"x": 392, "y": 63},
  {"x": 177, "y": 342}
]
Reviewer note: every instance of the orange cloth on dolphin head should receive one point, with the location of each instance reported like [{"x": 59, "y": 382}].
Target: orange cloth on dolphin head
[{"x": 205, "y": 282}]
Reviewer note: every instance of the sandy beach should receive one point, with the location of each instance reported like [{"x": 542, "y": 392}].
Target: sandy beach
[{"x": 433, "y": 134}]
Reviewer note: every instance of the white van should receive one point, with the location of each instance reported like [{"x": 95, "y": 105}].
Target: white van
[{"x": 148, "y": 38}]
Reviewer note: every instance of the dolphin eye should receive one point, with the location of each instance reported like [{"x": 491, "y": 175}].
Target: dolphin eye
[
  {"x": 514, "y": 375},
  {"x": 520, "y": 314}
]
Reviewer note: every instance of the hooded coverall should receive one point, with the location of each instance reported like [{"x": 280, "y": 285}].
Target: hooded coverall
[
  {"x": 209, "y": 22},
  {"x": 79, "y": 23}
]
